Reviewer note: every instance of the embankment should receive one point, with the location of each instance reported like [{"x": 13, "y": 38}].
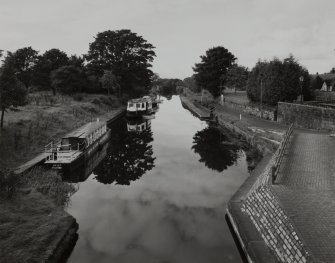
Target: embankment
[
  {"x": 265, "y": 142},
  {"x": 28, "y": 129},
  {"x": 33, "y": 227}
]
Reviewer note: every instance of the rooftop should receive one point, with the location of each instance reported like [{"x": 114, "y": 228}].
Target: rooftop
[{"x": 85, "y": 130}]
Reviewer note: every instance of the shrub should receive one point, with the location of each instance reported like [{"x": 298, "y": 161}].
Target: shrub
[
  {"x": 9, "y": 183},
  {"x": 78, "y": 97},
  {"x": 50, "y": 183}
]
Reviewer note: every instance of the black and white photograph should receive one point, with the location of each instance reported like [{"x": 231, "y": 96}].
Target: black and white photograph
[{"x": 167, "y": 131}]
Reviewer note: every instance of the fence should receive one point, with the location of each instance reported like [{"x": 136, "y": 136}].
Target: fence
[{"x": 281, "y": 152}]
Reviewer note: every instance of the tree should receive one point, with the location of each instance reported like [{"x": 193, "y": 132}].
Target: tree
[
  {"x": 332, "y": 70},
  {"x": 191, "y": 84},
  {"x": 126, "y": 54},
  {"x": 77, "y": 61},
  {"x": 213, "y": 69},
  {"x": 168, "y": 87},
  {"x": 51, "y": 60},
  {"x": 24, "y": 60},
  {"x": 237, "y": 77},
  {"x": 280, "y": 81},
  {"x": 68, "y": 79},
  {"x": 12, "y": 92},
  {"x": 110, "y": 82}
]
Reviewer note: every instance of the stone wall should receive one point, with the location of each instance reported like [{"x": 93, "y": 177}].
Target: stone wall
[
  {"x": 268, "y": 114},
  {"x": 324, "y": 95},
  {"x": 306, "y": 116}
]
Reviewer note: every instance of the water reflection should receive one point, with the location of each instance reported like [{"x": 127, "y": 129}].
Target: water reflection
[
  {"x": 174, "y": 213},
  {"x": 80, "y": 173},
  {"x": 215, "y": 149},
  {"x": 130, "y": 154}
]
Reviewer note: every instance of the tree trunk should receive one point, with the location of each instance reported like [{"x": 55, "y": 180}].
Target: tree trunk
[{"x": 2, "y": 115}]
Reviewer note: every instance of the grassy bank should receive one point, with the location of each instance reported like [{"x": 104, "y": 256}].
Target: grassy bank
[
  {"x": 46, "y": 117},
  {"x": 33, "y": 222}
]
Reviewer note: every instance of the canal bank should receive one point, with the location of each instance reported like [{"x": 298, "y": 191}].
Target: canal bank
[
  {"x": 48, "y": 232},
  {"x": 289, "y": 217}
]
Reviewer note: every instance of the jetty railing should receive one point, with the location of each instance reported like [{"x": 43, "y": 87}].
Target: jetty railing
[{"x": 281, "y": 152}]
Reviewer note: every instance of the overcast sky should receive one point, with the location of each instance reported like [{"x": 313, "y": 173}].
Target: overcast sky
[{"x": 181, "y": 30}]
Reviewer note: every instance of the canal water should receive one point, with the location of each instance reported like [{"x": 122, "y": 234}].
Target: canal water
[{"x": 160, "y": 193}]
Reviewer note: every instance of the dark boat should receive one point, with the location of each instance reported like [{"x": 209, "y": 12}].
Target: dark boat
[{"x": 77, "y": 146}]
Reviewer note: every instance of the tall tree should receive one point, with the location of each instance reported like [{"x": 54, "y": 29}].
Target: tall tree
[
  {"x": 191, "y": 84},
  {"x": 110, "y": 82},
  {"x": 212, "y": 69},
  {"x": 51, "y": 60},
  {"x": 126, "y": 54},
  {"x": 237, "y": 77},
  {"x": 68, "y": 79},
  {"x": 280, "y": 81},
  {"x": 24, "y": 60},
  {"x": 12, "y": 92}
]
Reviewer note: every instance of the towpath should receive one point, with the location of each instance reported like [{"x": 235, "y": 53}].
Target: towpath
[{"x": 292, "y": 220}]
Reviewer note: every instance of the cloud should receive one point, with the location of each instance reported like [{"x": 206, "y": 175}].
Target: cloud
[{"x": 181, "y": 30}]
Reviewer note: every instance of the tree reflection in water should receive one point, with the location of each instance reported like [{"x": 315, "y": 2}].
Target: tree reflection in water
[
  {"x": 215, "y": 149},
  {"x": 130, "y": 154}
]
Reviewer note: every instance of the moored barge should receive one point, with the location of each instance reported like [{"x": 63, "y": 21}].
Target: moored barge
[{"x": 78, "y": 146}]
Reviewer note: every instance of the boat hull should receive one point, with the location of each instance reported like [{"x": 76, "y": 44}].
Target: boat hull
[{"x": 84, "y": 156}]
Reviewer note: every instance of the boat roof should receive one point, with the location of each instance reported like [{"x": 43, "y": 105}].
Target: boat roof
[
  {"x": 85, "y": 130},
  {"x": 146, "y": 98}
]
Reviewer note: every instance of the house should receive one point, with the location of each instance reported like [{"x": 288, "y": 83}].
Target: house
[{"x": 328, "y": 82}]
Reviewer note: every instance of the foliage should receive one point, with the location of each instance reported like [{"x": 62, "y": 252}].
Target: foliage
[
  {"x": 68, "y": 79},
  {"x": 77, "y": 61},
  {"x": 237, "y": 77},
  {"x": 215, "y": 149},
  {"x": 280, "y": 81},
  {"x": 126, "y": 54},
  {"x": 168, "y": 87},
  {"x": 332, "y": 70},
  {"x": 317, "y": 82},
  {"x": 24, "y": 60},
  {"x": 12, "y": 92},
  {"x": 51, "y": 60},
  {"x": 48, "y": 182},
  {"x": 212, "y": 70},
  {"x": 191, "y": 84},
  {"x": 9, "y": 183},
  {"x": 110, "y": 82}
]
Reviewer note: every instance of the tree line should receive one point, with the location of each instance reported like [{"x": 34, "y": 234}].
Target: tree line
[
  {"x": 277, "y": 80},
  {"x": 117, "y": 61}
]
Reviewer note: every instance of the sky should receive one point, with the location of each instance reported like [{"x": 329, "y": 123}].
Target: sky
[{"x": 181, "y": 30}]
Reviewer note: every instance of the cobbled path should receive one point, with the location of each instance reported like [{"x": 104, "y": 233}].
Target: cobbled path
[{"x": 305, "y": 189}]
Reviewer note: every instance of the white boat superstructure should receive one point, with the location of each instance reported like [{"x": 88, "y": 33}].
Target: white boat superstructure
[
  {"x": 74, "y": 144},
  {"x": 139, "y": 106}
]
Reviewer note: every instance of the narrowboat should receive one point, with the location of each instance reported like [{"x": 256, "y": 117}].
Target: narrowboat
[
  {"x": 78, "y": 146},
  {"x": 140, "y": 106}
]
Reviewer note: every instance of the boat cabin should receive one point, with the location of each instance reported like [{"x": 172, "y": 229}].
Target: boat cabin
[
  {"x": 140, "y": 105},
  {"x": 74, "y": 143}
]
